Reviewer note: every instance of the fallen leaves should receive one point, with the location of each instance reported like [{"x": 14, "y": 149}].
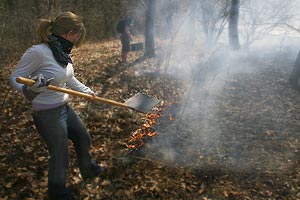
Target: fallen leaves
[{"x": 247, "y": 132}]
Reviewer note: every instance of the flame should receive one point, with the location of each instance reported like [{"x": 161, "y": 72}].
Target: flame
[
  {"x": 152, "y": 134},
  {"x": 136, "y": 140}
]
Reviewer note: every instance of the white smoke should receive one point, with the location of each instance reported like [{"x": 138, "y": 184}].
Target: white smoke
[{"x": 204, "y": 133}]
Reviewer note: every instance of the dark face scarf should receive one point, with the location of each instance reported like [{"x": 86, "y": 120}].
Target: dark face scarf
[{"x": 61, "y": 49}]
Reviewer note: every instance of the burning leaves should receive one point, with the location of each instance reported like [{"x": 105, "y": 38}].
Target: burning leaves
[
  {"x": 148, "y": 129},
  {"x": 140, "y": 135}
]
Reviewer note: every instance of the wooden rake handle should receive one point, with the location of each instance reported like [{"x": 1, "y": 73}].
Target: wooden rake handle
[{"x": 30, "y": 82}]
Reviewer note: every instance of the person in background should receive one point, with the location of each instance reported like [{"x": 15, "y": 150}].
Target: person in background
[
  {"x": 55, "y": 120},
  {"x": 123, "y": 28}
]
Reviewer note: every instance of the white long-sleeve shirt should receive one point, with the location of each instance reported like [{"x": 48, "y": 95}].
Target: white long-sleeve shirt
[{"x": 39, "y": 59}]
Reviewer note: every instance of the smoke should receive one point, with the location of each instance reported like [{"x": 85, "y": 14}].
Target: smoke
[
  {"x": 234, "y": 114},
  {"x": 232, "y": 117}
]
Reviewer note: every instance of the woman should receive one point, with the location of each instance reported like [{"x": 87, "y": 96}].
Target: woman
[{"x": 54, "y": 119}]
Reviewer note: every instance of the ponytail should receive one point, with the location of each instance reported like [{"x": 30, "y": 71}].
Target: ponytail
[{"x": 43, "y": 30}]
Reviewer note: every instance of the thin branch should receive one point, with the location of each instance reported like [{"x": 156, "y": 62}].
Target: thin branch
[
  {"x": 291, "y": 27},
  {"x": 145, "y": 5},
  {"x": 150, "y": 160}
]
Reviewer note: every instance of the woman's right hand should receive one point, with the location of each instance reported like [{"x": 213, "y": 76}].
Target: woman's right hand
[{"x": 40, "y": 84}]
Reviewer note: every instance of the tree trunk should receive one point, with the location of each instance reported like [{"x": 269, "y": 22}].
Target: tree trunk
[
  {"x": 233, "y": 24},
  {"x": 192, "y": 22},
  {"x": 149, "y": 31},
  {"x": 295, "y": 75}
]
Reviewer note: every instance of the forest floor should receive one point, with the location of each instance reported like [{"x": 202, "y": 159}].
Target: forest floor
[{"x": 229, "y": 129}]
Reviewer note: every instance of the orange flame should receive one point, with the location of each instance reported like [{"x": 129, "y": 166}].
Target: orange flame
[
  {"x": 171, "y": 117},
  {"x": 136, "y": 140}
]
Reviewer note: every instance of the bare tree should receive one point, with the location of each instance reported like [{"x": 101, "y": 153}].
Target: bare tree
[
  {"x": 213, "y": 17},
  {"x": 258, "y": 18},
  {"x": 149, "y": 32},
  {"x": 233, "y": 19},
  {"x": 295, "y": 74}
]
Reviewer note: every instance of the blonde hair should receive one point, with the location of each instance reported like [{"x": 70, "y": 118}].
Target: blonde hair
[{"x": 62, "y": 24}]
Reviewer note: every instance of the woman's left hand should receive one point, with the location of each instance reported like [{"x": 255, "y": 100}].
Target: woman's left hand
[{"x": 93, "y": 99}]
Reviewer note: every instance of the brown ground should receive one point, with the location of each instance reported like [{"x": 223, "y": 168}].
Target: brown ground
[{"x": 234, "y": 134}]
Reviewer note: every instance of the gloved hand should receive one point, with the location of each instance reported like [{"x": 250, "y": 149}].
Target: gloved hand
[
  {"x": 40, "y": 84},
  {"x": 91, "y": 92}
]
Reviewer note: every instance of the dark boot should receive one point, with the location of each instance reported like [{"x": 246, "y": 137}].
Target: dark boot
[{"x": 95, "y": 171}]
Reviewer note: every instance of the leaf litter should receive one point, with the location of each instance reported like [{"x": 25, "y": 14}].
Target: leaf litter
[{"x": 244, "y": 142}]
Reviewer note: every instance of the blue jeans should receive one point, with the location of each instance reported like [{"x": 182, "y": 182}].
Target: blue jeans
[{"x": 56, "y": 126}]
